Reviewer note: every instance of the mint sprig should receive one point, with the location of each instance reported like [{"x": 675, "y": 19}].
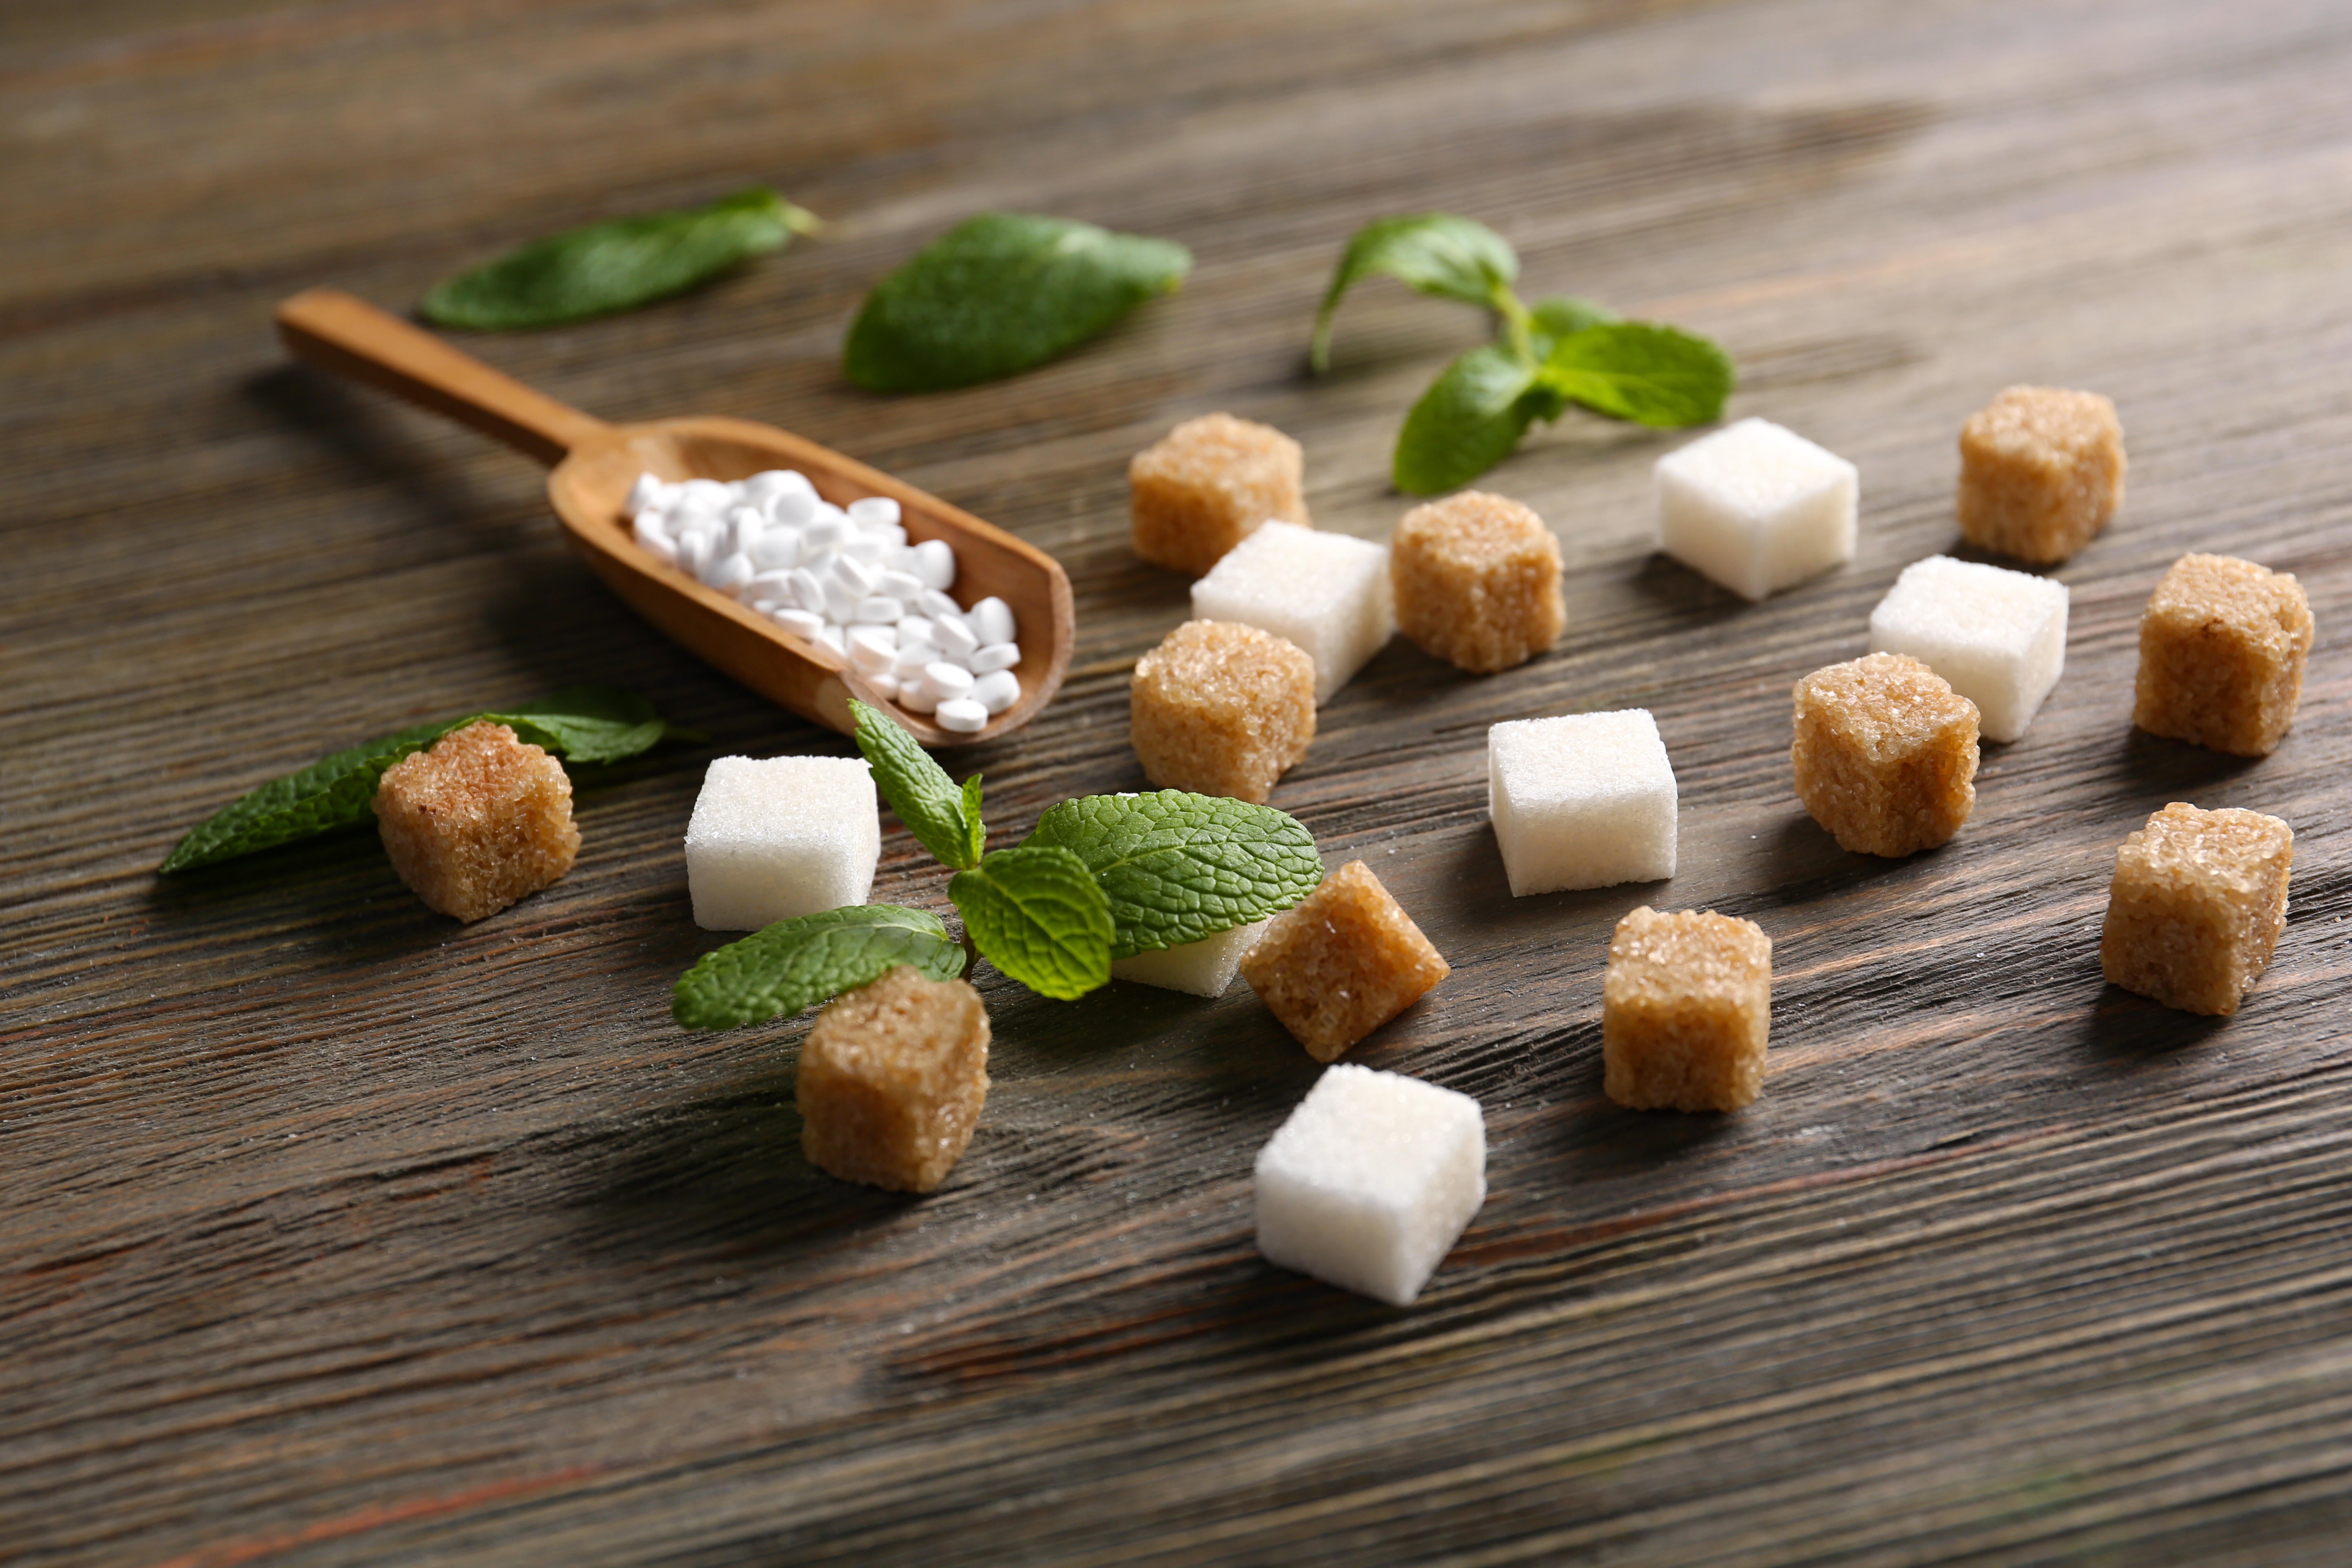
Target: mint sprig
[
  {"x": 1038, "y": 914},
  {"x": 1559, "y": 351},
  {"x": 944, "y": 819},
  {"x": 615, "y": 266},
  {"x": 581, "y": 724},
  {"x": 1177, "y": 868},
  {"x": 796, "y": 963}
]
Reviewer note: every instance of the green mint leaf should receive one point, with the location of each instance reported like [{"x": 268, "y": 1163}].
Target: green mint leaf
[
  {"x": 1177, "y": 868},
  {"x": 1435, "y": 253},
  {"x": 1470, "y": 419},
  {"x": 1639, "y": 370},
  {"x": 1038, "y": 914},
  {"x": 999, "y": 293},
  {"x": 798, "y": 963},
  {"x": 590, "y": 724},
  {"x": 615, "y": 266},
  {"x": 944, "y": 819},
  {"x": 1564, "y": 315}
]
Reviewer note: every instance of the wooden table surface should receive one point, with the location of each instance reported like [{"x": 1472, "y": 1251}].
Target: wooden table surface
[{"x": 333, "y": 1231}]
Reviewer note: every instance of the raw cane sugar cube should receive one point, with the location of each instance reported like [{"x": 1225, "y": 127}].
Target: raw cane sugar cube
[
  {"x": 2221, "y": 649},
  {"x": 1341, "y": 962},
  {"x": 1477, "y": 581},
  {"x": 779, "y": 837},
  {"x": 1998, "y": 636},
  {"x": 2042, "y": 470},
  {"x": 1209, "y": 484},
  {"x": 1220, "y": 708},
  {"x": 477, "y": 821},
  {"x": 892, "y": 1079},
  {"x": 1884, "y": 754},
  {"x": 1325, "y": 593},
  {"x": 1584, "y": 800},
  {"x": 1756, "y": 508},
  {"x": 2195, "y": 906},
  {"x": 1687, "y": 1009},
  {"x": 1371, "y": 1180},
  {"x": 1203, "y": 968}
]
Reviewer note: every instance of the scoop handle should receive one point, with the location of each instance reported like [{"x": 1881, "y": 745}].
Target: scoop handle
[{"x": 338, "y": 331}]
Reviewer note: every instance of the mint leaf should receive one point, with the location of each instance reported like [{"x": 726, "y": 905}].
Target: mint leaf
[
  {"x": 1639, "y": 370},
  {"x": 943, "y": 819},
  {"x": 1435, "y": 253},
  {"x": 798, "y": 963},
  {"x": 999, "y": 293},
  {"x": 1177, "y": 868},
  {"x": 1038, "y": 914},
  {"x": 615, "y": 266},
  {"x": 1470, "y": 419},
  {"x": 584, "y": 724},
  {"x": 1562, "y": 315}
]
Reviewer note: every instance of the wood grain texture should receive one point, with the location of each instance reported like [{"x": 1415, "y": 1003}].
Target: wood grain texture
[{"x": 330, "y": 1231}]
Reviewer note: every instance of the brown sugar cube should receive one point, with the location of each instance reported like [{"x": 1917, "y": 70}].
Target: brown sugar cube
[
  {"x": 477, "y": 822},
  {"x": 1206, "y": 485},
  {"x": 2041, "y": 472},
  {"x": 1686, "y": 1011},
  {"x": 1885, "y": 753},
  {"x": 1477, "y": 580},
  {"x": 891, "y": 1080},
  {"x": 1219, "y": 707},
  {"x": 1341, "y": 963},
  {"x": 2195, "y": 909},
  {"x": 2222, "y": 649}
]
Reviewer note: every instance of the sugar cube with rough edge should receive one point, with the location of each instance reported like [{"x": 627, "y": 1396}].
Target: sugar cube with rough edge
[
  {"x": 1477, "y": 581},
  {"x": 778, "y": 837},
  {"x": 1209, "y": 484},
  {"x": 1341, "y": 962},
  {"x": 2042, "y": 470},
  {"x": 1756, "y": 508},
  {"x": 2221, "y": 651},
  {"x": 1220, "y": 708},
  {"x": 1370, "y": 1182},
  {"x": 1686, "y": 1009},
  {"x": 2195, "y": 906},
  {"x": 892, "y": 1079},
  {"x": 1203, "y": 968},
  {"x": 1583, "y": 800},
  {"x": 477, "y": 821},
  {"x": 1998, "y": 636},
  {"x": 1327, "y": 593},
  {"x": 1884, "y": 754}
]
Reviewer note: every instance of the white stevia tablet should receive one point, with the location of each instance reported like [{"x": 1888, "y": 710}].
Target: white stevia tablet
[
  {"x": 799, "y": 622},
  {"x": 864, "y": 547},
  {"x": 792, "y": 508},
  {"x": 807, "y": 589},
  {"x": 1998, "y": 636},
  {"x": 1327, "y": 593},
  {"x": 1203, "y": 968},
  {"x": 834, "y": 639},
  {"x": 885, "y": 685},
  {"x": 913, "y": 658},
  {"x": 775, "y": 838},
  {"x": 993, "y": 619},
  {"x": 855, "y": 574},
  {"x": 693, "y": 553},
  {"x": 955, "y": 634},
  {"x": 934, "y": 562},
  {"x": 648, "y": 494},
  {"x": 873, "y": 649},
  {"x": 996, "y": 691},
  {"x": 963, "y": 715},
  {"x": 899, "y": 584},
  {"x": 874, "y": 511},
  {"x": 775, "y": 585},
  {"x": 931, "y": 602},
  {"x": 654, "y": 542},
  {"x": 705, "y": 495},
  {"x": 994, "y": 656},
  {"x": 1755, "y": 507},
  {"x": 880, "y": 610},
  {"x": 744, "y": 526},
  {"x": 1585, "y": 800},
  {"x": 733, "y": 573},
  {"x": 779, "y": 549},
  {"x": 841, "y": 600},
  {"x": 913, "y": 696},
  {"x": 946, "y": 681},
  {"x": 890, "y": 540},
  {"x": 915, "y": 628},
  {"x": 1370, "y": 1182},
  {"x": 824, "y": 532}
]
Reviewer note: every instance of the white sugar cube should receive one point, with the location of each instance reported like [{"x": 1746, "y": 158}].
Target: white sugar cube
[
  {"x": 1585, "y": 800},
  {"x": 1756, "y": 508},
  {"x": 1370, "y": 1182},
  {"x": 780, "y": 836},
  {"x": 1203, "y": 968},
  {"x": 1998, "y": 636},
  {"x": 1327, "y": 593}
]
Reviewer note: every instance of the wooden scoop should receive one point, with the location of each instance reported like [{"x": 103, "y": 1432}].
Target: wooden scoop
[{"x": 595, "y": 463}]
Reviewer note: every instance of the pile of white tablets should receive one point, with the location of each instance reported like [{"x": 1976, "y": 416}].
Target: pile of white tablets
[{"x": 845, "y": 579}]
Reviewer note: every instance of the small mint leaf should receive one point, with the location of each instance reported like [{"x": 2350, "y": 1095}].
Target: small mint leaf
[
  {"x": 944, "y": 819},
  {"x": 588, "y": 724},
  {"x": 1038, "y": 914},
  {"x": 1563, "y": 315},
  {"x": 798, "y": 963},
  {"x": 615, "y": 266},
  {"x": 998, "y": 293},
  {"x": 1435, "y": 253},
  {"x": 1639, "y": 370},
  {"x": 1470, "y": 419},
  {"x": 1176, "y": 867}
]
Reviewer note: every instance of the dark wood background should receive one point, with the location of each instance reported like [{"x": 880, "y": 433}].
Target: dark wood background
[{"x": 332, "y": 1231}]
